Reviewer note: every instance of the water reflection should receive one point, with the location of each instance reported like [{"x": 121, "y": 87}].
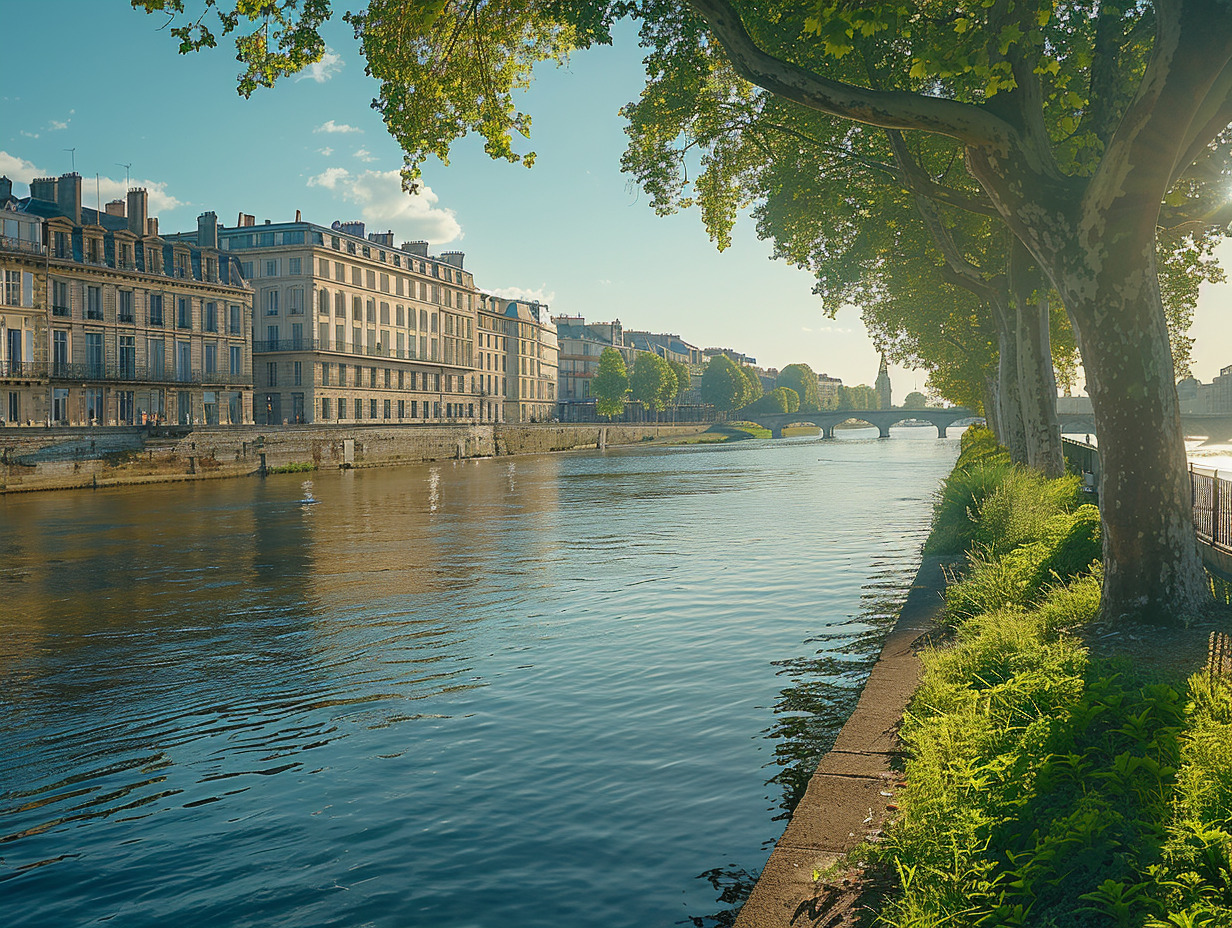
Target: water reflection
[{"x": 485, "y": 692}]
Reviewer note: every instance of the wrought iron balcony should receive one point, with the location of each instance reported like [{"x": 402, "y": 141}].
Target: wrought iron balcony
[
  {"x": 112, "y": 372},
  {"x": 23, "y": 370}
]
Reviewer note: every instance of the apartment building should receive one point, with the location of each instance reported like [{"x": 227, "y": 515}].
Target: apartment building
[
  {"x": 128, "y": 328},
  {"x": 23, "y": 314},
  {"x": 827, "y": 390},
  {"x": 350, "y": 328},
  {"x": 1206, "y": 399},
  {"x": 580, "y": 344},
  {"x": 517, "y": 356}
]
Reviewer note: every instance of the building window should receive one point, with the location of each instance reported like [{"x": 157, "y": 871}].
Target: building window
[
  {"x": 297, "y": 373},
  {"x": 271, "y": 373},
  {"x": 269, "y": 300},
  {"x": 59, "y": 352},
  {"x": 236, "y": 327},
  {"x": 271, "y": 268},
  {"x": 155, "y": 359},
  {"x": 12, "y": 288},
  {"x": 325, "y": 399},
  {"x": 61, "y": 303},
  {"x": 237, "y": 361},
  {"x": 183, "y": 362},
  {"x": 371, "y": 409},
  {"x": 246, "y": 270},
  {"x": 323, "y": 303},
  {"x": 94, "y": 355},
  {"x": 401, "y": 409},
  {"x": 128, "y": 357},
  {"x": 295, "y": 301},
  {"x": 295, "y": 266},
  {"x": 211, "y": 317},
  {"x": 414, "y": 409},
  {"x": 211, "y": 359},
  {"x": 387, "y": 409},
  {"x": 94, "y": 302},
  {"x": 359, "y": 408},
  {"x": 124, "y": 306},
  {"x": 325, "y": 374},
  {"x": 183, "y": 313}
]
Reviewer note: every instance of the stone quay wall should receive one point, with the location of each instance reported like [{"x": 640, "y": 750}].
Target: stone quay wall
[{"x": 67, "y": 458}]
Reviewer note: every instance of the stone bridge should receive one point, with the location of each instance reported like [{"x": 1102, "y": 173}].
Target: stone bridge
[
  {"x": 1217, "y": 430},
  {"x": 881, "y": 419}
]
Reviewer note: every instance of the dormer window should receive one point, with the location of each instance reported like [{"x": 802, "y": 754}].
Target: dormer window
[
  {"x": 61, "y": 245},
  {"x": 94, "y": 250}
]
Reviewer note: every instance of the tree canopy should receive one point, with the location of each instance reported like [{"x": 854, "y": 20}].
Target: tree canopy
[
  {"x": 610, "y": 384},
  {"x": 800, "y": 379},
  {"x": 652, "y": 381},
  {"x": 723, "y": 384}
]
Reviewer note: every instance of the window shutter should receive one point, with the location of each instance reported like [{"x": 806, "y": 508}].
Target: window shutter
[{"x": 27, "y": 289}]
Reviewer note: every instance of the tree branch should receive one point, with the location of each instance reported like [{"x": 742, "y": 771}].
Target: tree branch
[{"x": 965, "y": 122}]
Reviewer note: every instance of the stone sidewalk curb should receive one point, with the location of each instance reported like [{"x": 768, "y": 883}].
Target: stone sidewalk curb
[{"x": 847, "y": 797}]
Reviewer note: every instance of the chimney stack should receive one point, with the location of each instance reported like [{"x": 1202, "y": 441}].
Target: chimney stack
[
  {"x": 297, "y": 219},
  {"x": 6, "y": 188},
  {"x": 151, "y": 226},
  {"x": 453, "y": 257},
  {"x": 207, "y": 230},
  {"x": 138, "y": 209},
  {"x": 114, "y": 208},
  {"x": 415, "y": 248},
  {"x": 45, "y": 188},
  {"x": 245, "y": 220},
  {"x": 69, "y": 196}
]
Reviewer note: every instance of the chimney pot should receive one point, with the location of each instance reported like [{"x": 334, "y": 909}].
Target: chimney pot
[{"x": 138, "y": 210}]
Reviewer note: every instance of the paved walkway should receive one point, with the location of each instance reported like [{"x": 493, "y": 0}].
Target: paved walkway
[{"x": 850, "y": 794}]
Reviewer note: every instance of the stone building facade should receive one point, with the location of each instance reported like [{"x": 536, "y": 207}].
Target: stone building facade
[
  {"x": 517, "y": 356},
  {"x": 350, "y": 328},
  {"x": 23, "y": 315},
  {"x": 137, "y": 328}
]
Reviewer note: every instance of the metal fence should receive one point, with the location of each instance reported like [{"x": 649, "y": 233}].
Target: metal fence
[{"x": 1212, "y": 506}]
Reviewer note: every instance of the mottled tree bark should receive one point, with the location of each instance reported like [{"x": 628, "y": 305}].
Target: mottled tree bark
[
  {"x": 1009, "y": 394},
  {"x": 1037, "y": 380}
]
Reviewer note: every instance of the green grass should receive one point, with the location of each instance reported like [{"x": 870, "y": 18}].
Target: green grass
[
  {"x": 295, "y": 467},
  {"x": 1044, "y": 788}
]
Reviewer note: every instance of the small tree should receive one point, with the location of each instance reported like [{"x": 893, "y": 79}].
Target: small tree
[
  {"x": 753, "y": 389},
  {"x": 723, "y": 386},
  {"x": 683, "y": 379},
  {"x": 801, "y": 379},
  {"x": 611, "y": 384},
  {"x": 915, "y": 400},
  {"x": 652, "y": 381}
]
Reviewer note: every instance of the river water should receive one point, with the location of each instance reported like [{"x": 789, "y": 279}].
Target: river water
[{"x": 576, "y": 689}]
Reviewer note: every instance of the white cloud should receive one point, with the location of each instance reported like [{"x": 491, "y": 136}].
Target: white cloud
[
  {"x": 364, "y": 155},
  {"x": 58, "y": 124},
  {"x": 837, "y": 330},
  {"x": 107, "y": 188},
  {"x": 384, "y": 203},
  {"x": 321, "y": 71},
  {"x": 541, "y": 293},
  {"x": 326, "y": 151},
  {"x": 329, "y": 178},
  {"x": 18, "y": 169},
  {"x": 111, "y": 189},
  {"x": 331, "y": 126},
  {"x": 29, "y": 135}
]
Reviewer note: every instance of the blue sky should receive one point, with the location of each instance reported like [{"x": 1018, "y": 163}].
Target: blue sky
[{"x": 572, "y": 230}]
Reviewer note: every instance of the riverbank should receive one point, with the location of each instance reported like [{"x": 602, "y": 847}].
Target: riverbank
[
  {"x": 1053, "y": 771},
  {"x": 76, "y": 458}
]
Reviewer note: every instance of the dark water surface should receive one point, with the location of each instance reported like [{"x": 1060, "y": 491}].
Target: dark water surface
[{"x": 509, "y": 692}]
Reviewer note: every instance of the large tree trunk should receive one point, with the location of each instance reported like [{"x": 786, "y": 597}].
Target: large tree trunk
[
  {"x": 1152, "y": 569},
  {"x": 1036, "y": 379},
  {"x": 991, "y": 404},
  {"x": 1009, "y": 395}
]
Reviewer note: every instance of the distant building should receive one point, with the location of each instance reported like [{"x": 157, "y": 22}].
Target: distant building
[
  {"x": 738, "y": 357},
  {"x": 114, "y": 324},
  {"x": 516, "y": 354},
  {"x": 350, "y": 328},
  {"x": 580, "y": 346},
  {"x": 882, "y": 386},
  {"x": 1206, "y": 399},
  {"x": 827, "y": 390}
]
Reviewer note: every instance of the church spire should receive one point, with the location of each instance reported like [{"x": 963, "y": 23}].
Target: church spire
[{"x": 883, "y": 384}]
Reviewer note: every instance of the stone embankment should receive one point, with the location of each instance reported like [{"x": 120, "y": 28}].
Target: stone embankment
[
  {"x": 851, "y": 794},
  {"x": 66, "y": 458}
]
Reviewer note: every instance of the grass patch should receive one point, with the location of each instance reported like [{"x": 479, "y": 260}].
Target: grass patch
[
  {"x": 295, "y": 467},
  {"x": 1046, "y": 788}
]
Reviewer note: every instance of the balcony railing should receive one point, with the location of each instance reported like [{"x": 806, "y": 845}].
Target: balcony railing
[
  {"x": 141, "y": 373},
  {"x": 1212, "y": 506},
  {"x": 18, "y": 244},
  {"x": 23, "y": 370},
  {"x": 286, "y": 344}
]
